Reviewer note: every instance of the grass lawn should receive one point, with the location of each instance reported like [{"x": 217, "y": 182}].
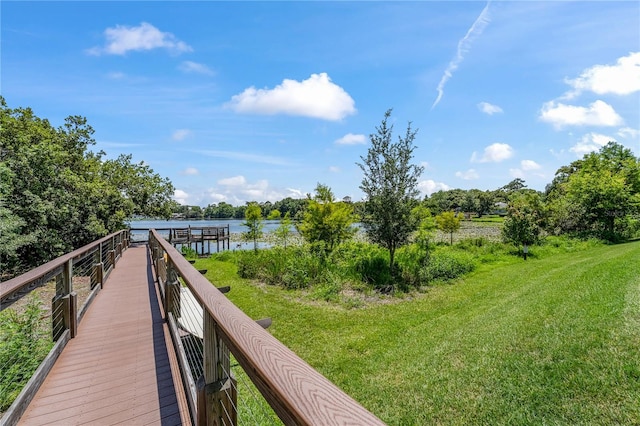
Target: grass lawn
[{"x": 553, "y": 340}]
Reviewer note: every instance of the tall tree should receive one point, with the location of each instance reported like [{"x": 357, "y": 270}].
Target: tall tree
[
  {"x": 326, "y": 220},
  {"x": 390, "y": 184}
]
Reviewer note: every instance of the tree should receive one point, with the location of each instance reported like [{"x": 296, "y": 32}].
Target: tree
[
  {"x": 390, "y": 184},
  {"x": 448, "y": 222},
  {"x": 283, "y": 232},
  {"x": 253, "y": 222},
  {"x": 525, "y": 219},
  {"x": 326, "y": 221},
  {"x": 274, "y": 215},
  {"x": 486, "y": 201},
  {"x": 597, "y": 195},
  {"x": 515, "y": 185},
  {"x": 60, "y": 195}
]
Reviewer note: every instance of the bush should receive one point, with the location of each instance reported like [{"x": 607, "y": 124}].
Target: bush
[
  {"x": 411, "y": 260},
  {"x": 292, "y": 268},
  {"x": 23, "y": 346},
  {"x": 446, "y": 265},
  {"x": 364, "y": 262}
]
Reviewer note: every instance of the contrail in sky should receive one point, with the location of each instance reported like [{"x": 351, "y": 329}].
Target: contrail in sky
[{"x": 463, "y": 47}]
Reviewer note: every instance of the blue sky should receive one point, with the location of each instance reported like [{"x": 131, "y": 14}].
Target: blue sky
[{"x": 240, "y": 101}]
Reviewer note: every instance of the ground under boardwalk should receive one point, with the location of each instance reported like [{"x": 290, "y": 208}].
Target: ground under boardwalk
[{"x": 120, "y": 368}]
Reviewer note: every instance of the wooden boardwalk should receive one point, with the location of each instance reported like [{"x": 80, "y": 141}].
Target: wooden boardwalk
[{"x": 120, "y": 368}]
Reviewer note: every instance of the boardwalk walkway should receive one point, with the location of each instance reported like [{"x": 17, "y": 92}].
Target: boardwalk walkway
[{"x": 120, "y": 368}]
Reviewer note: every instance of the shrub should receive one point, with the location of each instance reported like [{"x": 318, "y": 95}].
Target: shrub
[
  {"x": 23, "y": 346},
  {"x": 364, "y": 262},
  {"x": 248, "y": 264},
  {"x": 411, "y": 260},
  {"x": 446, "y": 265}
]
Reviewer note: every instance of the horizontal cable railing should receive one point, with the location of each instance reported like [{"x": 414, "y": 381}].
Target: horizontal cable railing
[
  {"x": 40, "y": 311},
  {"x": 231, "y": 365}
]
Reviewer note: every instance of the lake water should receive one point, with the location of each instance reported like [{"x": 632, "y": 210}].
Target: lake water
[{"x": 140, "y": 229}]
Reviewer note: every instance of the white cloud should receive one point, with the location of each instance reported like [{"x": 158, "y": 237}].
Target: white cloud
[
  {"x": 470, "y": 174},
  {"x": 493, "y": 153},
  {"x": 464, "y": 45},
  {"x": 213, "y": 197},
  {"x": 316, "y": 97},
  {"x": 623, "y": 78},
  {"x": 334, "y": 169},
  {"x": 599, "y": 113},
  {"x": 116, "y": 75},
  {"x": 180, "y": 196},
  {"x": 525, "y": 166},
  {"x": 628, "y": 133},
  {"x": 191, "y": 67},
  {"x": 233, "y": 181},
  {"x": 516, "y": 173},
  {"x": 122, "y": 39},
  {"x": 426, "y": 165},
  {"x": 237, "y": 190},
  {"x": 528, "y": 165},
  {"x": 351, "y": 139},
  {"x": 180, "y": 134},
  {"x": 190, "y": 171},
  {"x": 430, "y": 186},
  {"x": 589, "y": 143},
  {"x": 488, "y": 108},
  {"x": 243, "y": 156}
]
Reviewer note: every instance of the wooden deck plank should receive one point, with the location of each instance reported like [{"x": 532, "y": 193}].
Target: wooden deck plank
[{"x": 120, "y": 368}]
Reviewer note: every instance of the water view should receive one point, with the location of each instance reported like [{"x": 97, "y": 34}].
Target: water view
[{"x": 140, "y": 230}]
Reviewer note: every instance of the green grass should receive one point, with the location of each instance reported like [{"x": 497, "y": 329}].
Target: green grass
[{"x": 553, "y": 340}]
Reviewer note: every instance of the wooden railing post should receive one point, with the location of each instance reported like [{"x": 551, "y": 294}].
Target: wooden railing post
[
  {"x": 65, "y": 300},
  {"x": 112, "y": 258},
  {"x": 71, "y": 307},
  {"x": 99, "y": 267},
  {"x": 172, "y": 292},
  {"x": 217, "y": 390}
]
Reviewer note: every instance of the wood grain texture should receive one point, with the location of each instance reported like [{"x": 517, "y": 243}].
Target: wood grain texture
[
  {"x": 119, "y": 367},
  {"x": 297, "y": 392}
]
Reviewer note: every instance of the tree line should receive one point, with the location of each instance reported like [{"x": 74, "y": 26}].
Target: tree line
[
  {"x": 596, "y": 196},
  {"x": 56, "y": 195}
]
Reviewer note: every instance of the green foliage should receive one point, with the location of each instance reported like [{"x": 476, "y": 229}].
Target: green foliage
[
  {"x": 188, "y": 252},
  {"x": 326, "y": 221},
  {"x": 525, "y": 219},
  {"x": 59, "y": 195},
  {"x": 274, "y": 214},
  {"x": 448, "y": 222},
  {"x": 284, "y": 232},
  {"x": 597, "y": 195},
  {"x": 446, "y": 265},
  {"x": 292, "y": 268},
  {"x": 390, "y": 183},
  {"x": 23, "y": 346},
  {"x": 253, "y": 222}
]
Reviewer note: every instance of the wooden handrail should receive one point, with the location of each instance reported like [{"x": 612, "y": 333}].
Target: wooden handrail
[
  {"x": 15, "y": 284},
  {"x": 295, "y": 390}
]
